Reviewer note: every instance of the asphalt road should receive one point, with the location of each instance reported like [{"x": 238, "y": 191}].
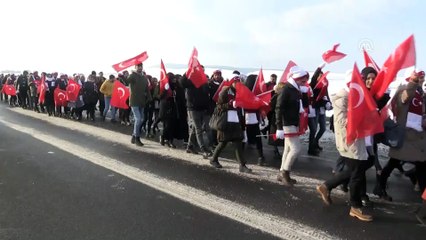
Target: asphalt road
[{"x": 60, "y": 179}]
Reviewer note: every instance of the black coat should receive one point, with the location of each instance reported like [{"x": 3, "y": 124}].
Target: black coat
[{"x": 233, "y": 131}]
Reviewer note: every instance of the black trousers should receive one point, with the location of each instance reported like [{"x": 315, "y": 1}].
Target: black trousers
[
  {"x": 355, "y": 172},
  {"x": 238, "y": 149},
  {"x": 420, "y": 172}
]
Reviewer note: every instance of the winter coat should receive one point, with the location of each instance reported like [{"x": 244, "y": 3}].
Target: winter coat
[
  {"x": 107, "y": 88},
  {"x": 357, "y": 150},
  {"x": 90, "y": 93},
  {"x": 197, "y": 99},
  {"x": 139, "y": 91},
  {"x": 233, "y": 131},
  {"x": 287, "y": 109},
  {"x": 414, "y": 144}
]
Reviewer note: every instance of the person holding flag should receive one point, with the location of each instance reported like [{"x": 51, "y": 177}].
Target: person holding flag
[
  {"x": 106, "y": 89},
  {"x": 287, "y": 112},
  {"x": 234, "y": 126}
]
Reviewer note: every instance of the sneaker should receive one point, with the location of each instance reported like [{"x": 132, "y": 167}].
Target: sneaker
[
  {"x": 358, "y": 213},
  {"x": 245, "y": 169},
  {"x": 325, "y": 194},
  {"x": 215, "y": 164},
  {"x": 123, "y": 123}
]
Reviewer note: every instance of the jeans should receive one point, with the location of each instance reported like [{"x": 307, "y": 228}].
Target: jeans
[
  {"x": 199, "y": 121},
  {"x": 107, "y": 106},
  {"x": 321, "y": 121},
  {"x": 138, "y": 115}
]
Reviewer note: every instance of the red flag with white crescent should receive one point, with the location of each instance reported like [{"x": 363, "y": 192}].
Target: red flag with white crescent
[
  {"x": 195, "y": 72},
  {"x": 284, "y": 77},
  {"x": 164, "y": 80},
  {"x": 73, "y": 90},
  {"x": 404, "y": 56},
  {"x": 42, "y": 88},
  {"x": 120, "y": 94},
  {"x": 9, "y": 90},
  {"x": 130, "y": 62},
  {"x": 60, "y": 97},
  {"x": 363, "y": 118}
]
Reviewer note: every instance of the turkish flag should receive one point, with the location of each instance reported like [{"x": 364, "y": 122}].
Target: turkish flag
[
  {"x": 369, "y": 62},
  {"x": 284, "y": 77},
  {"x": 246, "y": 99},
  {"x": 323, "y": 85},
  {"x": 120, "y": 94},
  {"x": 164, "y": 80},
  {"x": 73, "y": 90},
  {"x": 363, "y": 118},
  {"x": 130, "y": 62},
  {"x": 219, "y": 89},
  {"x": 265, "y": 97},
  {"x": 333, "y": 55},
  {"x": 403, "y": 57},
  {"x": 60, "y": 97},
  {"x": 195, "y": 72},
  {"x": 42, "y": 88},
  {"x": 260, "y": 85},
  {"x": 9, "y": 90}
]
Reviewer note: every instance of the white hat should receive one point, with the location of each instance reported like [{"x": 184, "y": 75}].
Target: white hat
[{"x": 297, "y": 72}]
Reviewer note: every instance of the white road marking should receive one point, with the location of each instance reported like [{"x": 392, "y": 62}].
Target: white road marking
[{"x": 268, "y": 223}]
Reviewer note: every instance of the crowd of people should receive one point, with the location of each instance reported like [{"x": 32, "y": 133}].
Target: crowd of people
[{"x": 183, "y": 111}]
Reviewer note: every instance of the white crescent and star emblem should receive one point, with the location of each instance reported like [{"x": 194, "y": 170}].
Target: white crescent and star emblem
[
  {"x": 73, "y": 88},
  {"x": 358, "y": 88},
  {"x": 120, "y": 89},
  {"x": 61, "y": 94},
  {"x": 121, "y": 65},
  {"x": 415, "y": 100}
]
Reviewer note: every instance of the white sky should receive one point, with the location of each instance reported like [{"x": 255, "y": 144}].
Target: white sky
[{"x": 80, "y": 36}]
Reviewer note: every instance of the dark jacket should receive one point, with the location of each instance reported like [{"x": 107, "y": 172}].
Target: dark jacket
[
  {"x": 197, "y": 99},
  {"x": 234, "y": 131},
  {"x": 287, "y": 109},
  {"x": 90, "y": 92},
  {"x": 213, "y": 87},
  {"x": 139, "y": 91},
  {"x": 316, "y": 92}
]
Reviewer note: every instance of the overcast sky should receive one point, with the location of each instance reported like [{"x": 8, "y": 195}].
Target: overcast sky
[{"x": 84, "y": 35}]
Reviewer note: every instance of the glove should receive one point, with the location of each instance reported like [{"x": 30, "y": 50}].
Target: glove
[
  {"x": 328, "y": 106},
  {"x": 245, "y": 137},
  {"x": 234, "y": 104},
  {"x": 388, "y": 91},
  {"x": 280, "y": 134},
  {"x": 167, "y": 87},
  {"x": 322, "y": 65},
  {"x": 304, "y": 89}
]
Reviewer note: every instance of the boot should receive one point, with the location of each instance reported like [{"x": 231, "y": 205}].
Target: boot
[
  {"x": 284, "y": 177},
  {"x": 132, "y": 140},
  {"x": 138, "y": 141},
  {"x": 191, "y": 149},
  {"x": 358, "y": 213},
  {"x": 324, "y": 193},
  {"x": 292, "y": 180},
  {"x": 261, "y": 161},
  {"x": 162, "y": 142},
  {"x": 381, "y": 193}
]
